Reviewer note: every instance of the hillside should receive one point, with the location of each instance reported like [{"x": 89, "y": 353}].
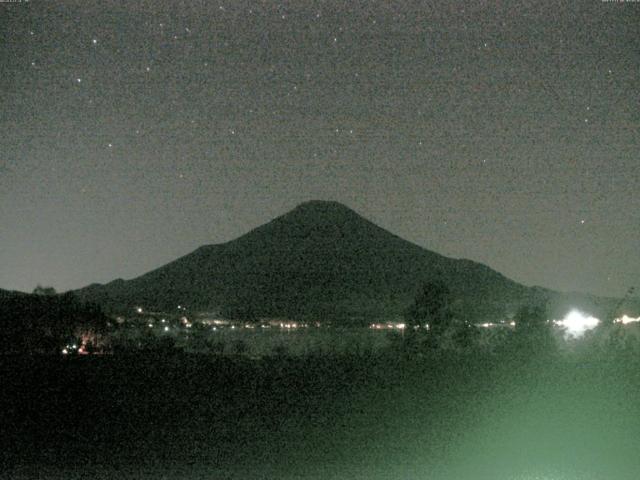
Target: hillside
[
  {"x": 320, "y": 260},
  {"x": 32, "y": 323}
]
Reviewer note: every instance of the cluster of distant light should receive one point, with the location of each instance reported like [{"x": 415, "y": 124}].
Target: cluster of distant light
[
  {"x": 492, "y": 325},
  {"x": 74, "y": 348},
  {"x": 215, "y": 324},
  {"x": 387, "y": 326},
  {"x": 69, "y": 348},
  {"x": 625, "y": 319},
  {"x": 577, "y": 323}
]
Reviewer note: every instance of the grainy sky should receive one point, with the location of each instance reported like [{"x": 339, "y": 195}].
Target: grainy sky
[{"x": 504, "y": 132}]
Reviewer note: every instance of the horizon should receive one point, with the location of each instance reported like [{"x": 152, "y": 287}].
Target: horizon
[
  {"x": 310, "y": 202},
  {"x": 134, "y": 133}
]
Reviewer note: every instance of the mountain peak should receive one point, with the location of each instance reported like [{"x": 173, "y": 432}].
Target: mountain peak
[
  {"x": 323, "y": 206},
  {"x": 326, "y": 221},
  {"x": 322, "y": 215},
  {"x": 321, "y": 203}
]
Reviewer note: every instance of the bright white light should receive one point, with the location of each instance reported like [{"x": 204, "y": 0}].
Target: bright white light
[
  {"x": 166, "y": 329},
  {"x": 139, "y": 309},
  {"x": 577, "y": 323},
  {"x": 625, "y": 319},
  {"x": 65, "y": 351}
]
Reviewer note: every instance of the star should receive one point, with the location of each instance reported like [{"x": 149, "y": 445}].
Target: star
[{"x": 94, "y": 41}]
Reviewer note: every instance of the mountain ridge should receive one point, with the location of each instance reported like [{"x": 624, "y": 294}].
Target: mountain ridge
[{"x": 320, "y": 260}]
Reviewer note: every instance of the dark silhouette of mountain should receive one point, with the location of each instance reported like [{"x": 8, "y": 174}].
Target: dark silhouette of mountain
[{"x": 321, "y": 260}]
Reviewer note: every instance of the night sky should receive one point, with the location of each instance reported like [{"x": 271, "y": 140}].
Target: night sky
[{"x": 504, "y": 132}]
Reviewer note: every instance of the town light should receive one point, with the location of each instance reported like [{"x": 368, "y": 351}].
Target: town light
[
  {"x": 625, "y": 319},
  {"x": 577, "y": 323}
]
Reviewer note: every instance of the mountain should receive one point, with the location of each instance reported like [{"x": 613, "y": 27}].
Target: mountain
[{"x": 321, "y": 260}]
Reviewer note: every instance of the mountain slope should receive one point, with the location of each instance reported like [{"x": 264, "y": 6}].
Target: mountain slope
[{"x": 320, "y": 260}]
